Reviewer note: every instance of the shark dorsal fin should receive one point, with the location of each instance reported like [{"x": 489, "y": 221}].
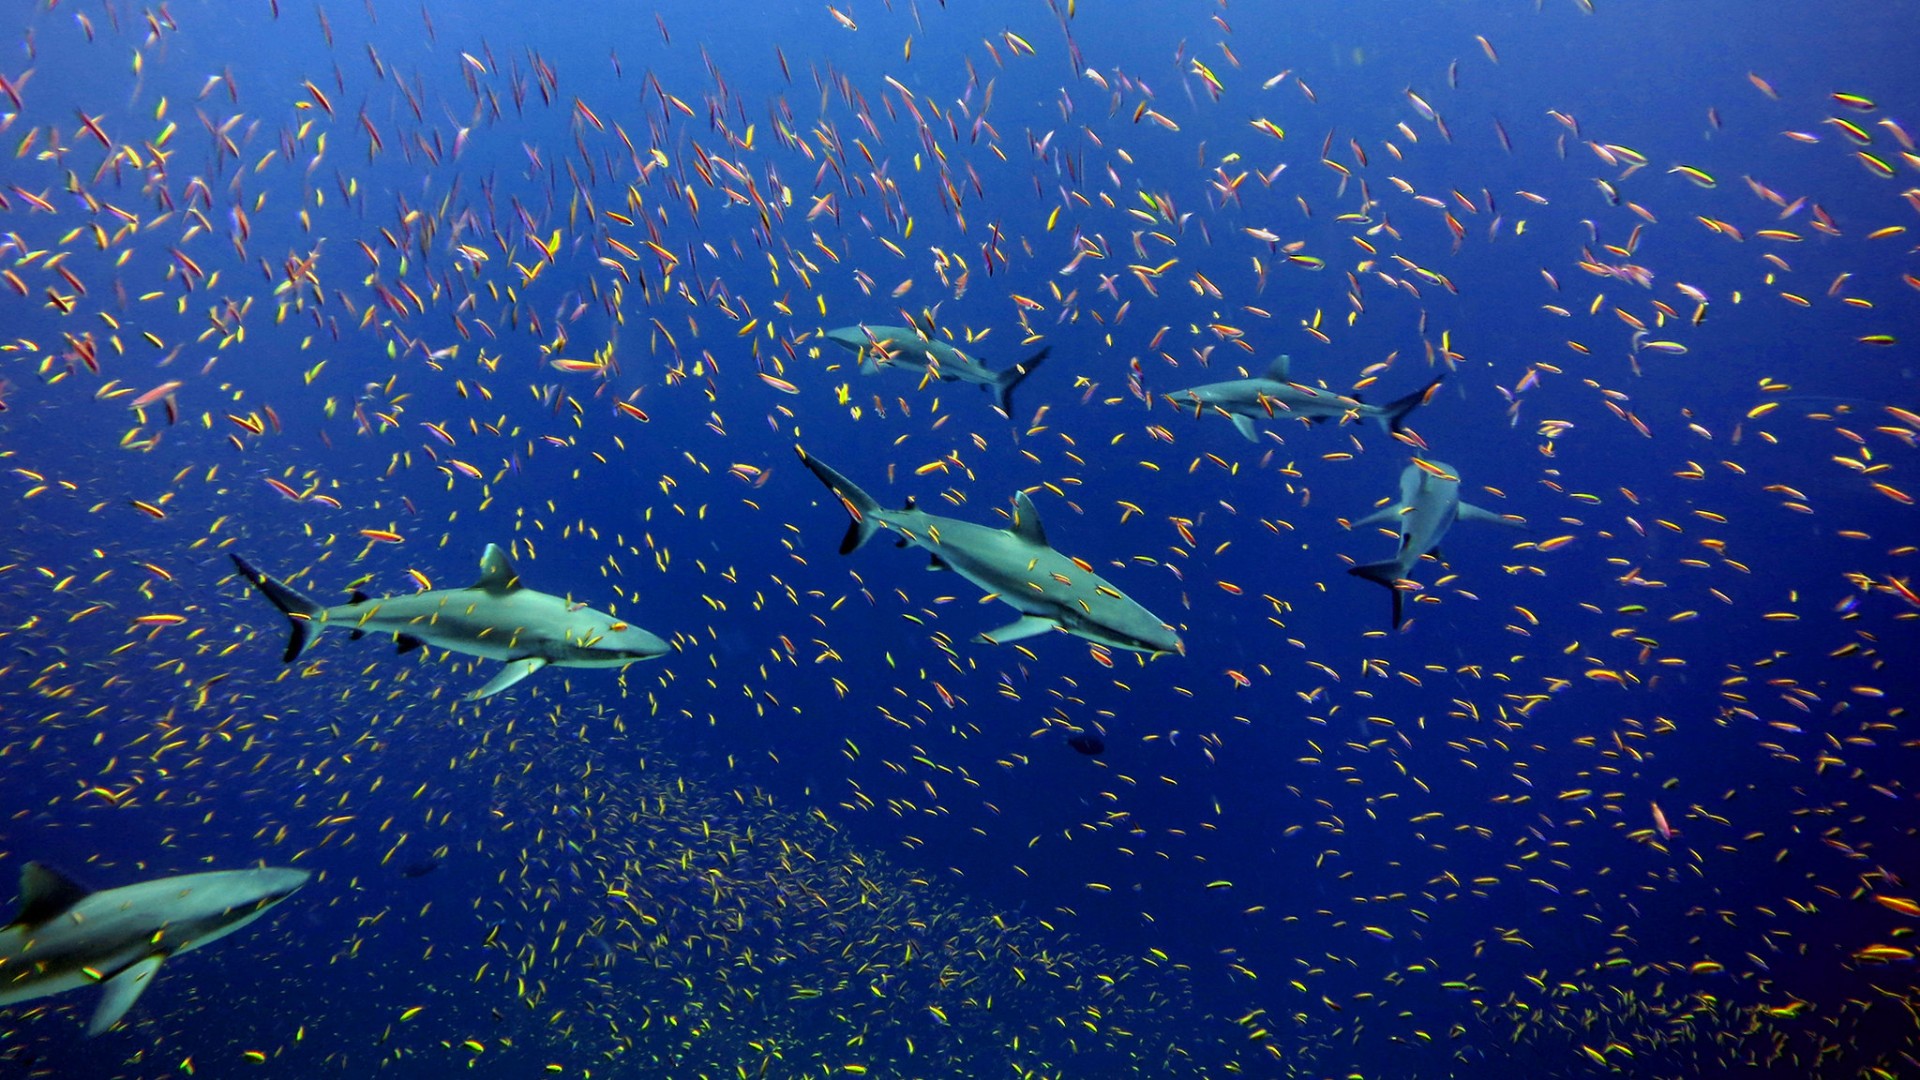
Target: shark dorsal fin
[
  {"x": 1026, "y": 521},
  {"x": 1280, "y": 368},
  {"x": 496, "y": 571},
  {"x": 358, "y": 597},
  {"x": 46, "y": 893}
]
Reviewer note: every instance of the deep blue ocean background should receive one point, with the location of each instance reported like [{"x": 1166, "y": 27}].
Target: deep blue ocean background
[{"x": 829, "y": 835}]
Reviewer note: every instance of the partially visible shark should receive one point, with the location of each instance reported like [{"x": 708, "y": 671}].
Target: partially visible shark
[
  {"x": 1429, "y": 505},
  {"x": 882, "y": 347},
  {"x": 497, "y": 618},
  {"x": 66, "y": 937},
  {"x": 1015, "y": 565},
  {"x": 1274, "y": 397}
]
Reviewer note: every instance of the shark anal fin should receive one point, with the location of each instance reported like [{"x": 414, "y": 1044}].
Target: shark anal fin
[
  {"x": 1024, "y": 627},
  {"x": 356, "y": 635},
  {"x": 513, "y": 672},
  {"x": 935, "y": 562},
  {"x": 120, "y": 992},
  {"x": 45, "y": 893},
  {"x": 406, "y": 643}
]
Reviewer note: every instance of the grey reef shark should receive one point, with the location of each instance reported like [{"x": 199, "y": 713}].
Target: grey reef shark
[
  {"x": 1274, "y": 396},
  {"x": 496, "y": 618},
  {"x": 66, "y": 937},
  {"x": 906, "y": 349},
  {"x": 1014, "y": 565},
  {"x": 1429, "y": 505}
]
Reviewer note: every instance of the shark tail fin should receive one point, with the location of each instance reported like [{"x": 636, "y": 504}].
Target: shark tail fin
[
  {"x": 1394, "y": 416},
  {"x": 1387, "y": 574},
  {"x": 860, "y": 505},
  {"x": 1004, "y": 382},
  {"x": 301, "y": 611}
]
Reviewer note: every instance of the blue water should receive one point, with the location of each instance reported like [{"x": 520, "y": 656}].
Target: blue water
[{"x": 830, "y": 833}]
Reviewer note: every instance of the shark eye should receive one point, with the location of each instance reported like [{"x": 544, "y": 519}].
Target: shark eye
[{"x": 618, "y": 626}]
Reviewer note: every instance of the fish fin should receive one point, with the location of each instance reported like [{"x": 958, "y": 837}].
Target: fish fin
[
  {"x": 935, "y": 562},
  {"x": 507, "y": 676},
  {"x": 356, "y": 635},
  {"x": 1004, "y": 382},
  {"x": 1470, "y": 512},
  {"x": 1394, "y": 415},
  {"x": 859, "y": 505},
  {"x": 1281, "y": 368},
  {"x": 1025, "y": 626},
  {"x": 1387, "y": 574},
  {"x": 358, "y": 597},
  {"x": 1244, "y": 424},
  {"x": 301, "y": 611},
  {"x": 1026, "y": 521},
  {"x": 406, "y": 643},
  {"x": 46, "y": 893},
  {"x": 1389, "y": 512},
  {"x": 497, "y": 574},
  {"x": 118, "y": 994}
]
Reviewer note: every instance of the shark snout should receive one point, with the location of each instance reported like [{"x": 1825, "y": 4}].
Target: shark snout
[
  {"x": 279, "y": 882},
  {"x": 850, "y": 338}
]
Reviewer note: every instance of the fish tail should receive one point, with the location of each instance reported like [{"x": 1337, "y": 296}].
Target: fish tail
[
  {"x": 1387, "y": 574},
  {"x": 860, "y": 505},
  {"x": 1004, "y": 382},
  {"x": 1394, "y": 416},
  {"x": 301, "y": 611}
]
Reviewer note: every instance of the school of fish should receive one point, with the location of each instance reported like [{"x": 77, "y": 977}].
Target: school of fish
[{"x": 647, "y": 312}]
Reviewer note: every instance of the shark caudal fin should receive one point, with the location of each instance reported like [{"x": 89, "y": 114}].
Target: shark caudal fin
[
  {"x": 300, "y": 610},
  {"x": 1394, "y": 415},
  {"x": 1004, "y": 382},
  {"x": 860, "y": 505},
  {"x": 1383, "y": 573}
]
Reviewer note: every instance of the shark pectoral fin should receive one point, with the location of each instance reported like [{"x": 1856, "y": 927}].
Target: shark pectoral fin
[
  {"x": 507, "y": 676},
  {"x": 120, "y": 992},
  {"x": 496, "y": 571},
  {"x": 1024, "y": 627},
  {"x": 1244, "y": 424},
  {"x": 1470, "y": 512},
  {"x": 1385, "y": 513},
  {"x": 406, "y": 643}
]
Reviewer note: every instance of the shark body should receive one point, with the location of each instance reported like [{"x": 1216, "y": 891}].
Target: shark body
[
  {"x": 904, "y": 348},
  {"x": 66, "y": 937},
  {"x": 1015, "y": 565},
  {"x": 497, "y": 618},
  {"x": 1429, "y": 505},
  {"x": 1273, "y": 396}
]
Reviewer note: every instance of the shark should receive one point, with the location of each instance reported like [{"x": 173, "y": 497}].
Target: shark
[
  {"x": 1015, "y": 565},
  {"x": 1429, "y": 505},
  {"x": 66, "y": 937},
  {"x": 902, "y": 347},
  {"x": 1273, "y": 395},
  {"x": 496, "y": 618}
]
